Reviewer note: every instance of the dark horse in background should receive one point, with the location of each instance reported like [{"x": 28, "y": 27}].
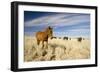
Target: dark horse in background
[{"x": 42, "y": 36}]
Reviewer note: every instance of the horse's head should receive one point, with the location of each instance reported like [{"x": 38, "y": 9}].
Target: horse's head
[{"x": 49, "y": 31}]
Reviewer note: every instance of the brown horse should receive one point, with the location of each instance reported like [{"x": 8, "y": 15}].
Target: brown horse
[{"x": 42, "y": 36}]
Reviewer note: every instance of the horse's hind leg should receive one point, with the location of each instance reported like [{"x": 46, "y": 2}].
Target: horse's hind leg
[
  {"x": 38, "y": 49},
  {"x": 38, "y": 42},
  {"x": 42, "y": 44}
]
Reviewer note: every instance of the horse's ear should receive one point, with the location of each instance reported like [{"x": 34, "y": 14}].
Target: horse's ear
[{"x": 49, "y": 27}]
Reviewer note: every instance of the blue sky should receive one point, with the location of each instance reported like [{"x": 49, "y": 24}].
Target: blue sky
[{"x": 63, "y": 24}]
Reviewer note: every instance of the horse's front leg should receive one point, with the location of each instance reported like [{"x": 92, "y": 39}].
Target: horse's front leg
[
  {"x": 46, "y": 44},
  {"x": 38, "y": 42}
]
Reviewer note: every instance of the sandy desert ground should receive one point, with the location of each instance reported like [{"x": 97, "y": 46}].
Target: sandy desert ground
[{"x": 58, "y": 49}]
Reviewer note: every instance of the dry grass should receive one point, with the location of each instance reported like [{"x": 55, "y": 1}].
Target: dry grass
[{"x": 58, "y": 49}]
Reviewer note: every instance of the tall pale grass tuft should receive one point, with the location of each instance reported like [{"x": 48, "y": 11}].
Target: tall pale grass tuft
[{"x": 58, "y": 49}]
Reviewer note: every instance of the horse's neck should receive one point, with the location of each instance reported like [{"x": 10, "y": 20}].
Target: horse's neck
[{"x": 46, "y": 32}]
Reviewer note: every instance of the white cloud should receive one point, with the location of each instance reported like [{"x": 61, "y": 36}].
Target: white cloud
[
  {"x": 79, "y": 30},
  {"x": 58, "y": 20}
]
